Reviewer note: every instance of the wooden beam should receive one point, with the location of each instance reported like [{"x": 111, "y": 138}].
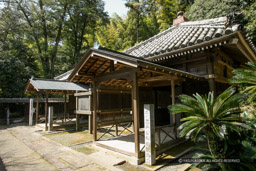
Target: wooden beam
[
  {"x": 103, "y": 63},
  {"x": 135, "y": 109},
  {"x": 116, "y": 130},
  {"x": 88, "y": 69},
  {"x": 95, "y": 106},
  {"x": 159, "y": 78},
  {"x": 83, "y": 93},
  {"x": 37, "y": 107},
  {"x": 65, "y": 108},
  {"x": 188, "y": 60},
  {"x": 105, "y": 70},
  {"x": 210, "y": 70},
  {"x": 83, "y": 112},
  {"x": 46, "y": 111},
  {"x": 112, "y": 66},
  {"x": 173, "y": 102},
  {"x": 221, "y": 79},
  {"x": 122, "y": 73},
  {"x": 77, "y": 122}
]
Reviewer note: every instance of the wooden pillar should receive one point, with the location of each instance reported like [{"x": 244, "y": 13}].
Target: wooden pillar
[
  {"x": 116, "y": 129},
  {"x": 210, "y": 70},
  {"x": 135, "y": 109},
  {"x": 112, "y": 66},
  {"x": 46, "y": 111},
  {"x": 90, "y": 117},
  {"x": 37, "y": 107},
  {"x": 95, "y": 106},
  {"x": 173, "y": 102},
  {"x": 65, "y": 108},
  {"x": 7, "y": 115},
  {"x": 90, "y": 123},
  {"x": 77, "y": 122}
]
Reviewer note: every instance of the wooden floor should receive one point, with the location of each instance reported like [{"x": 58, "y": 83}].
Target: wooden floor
[{"x": 126, "y": 143}]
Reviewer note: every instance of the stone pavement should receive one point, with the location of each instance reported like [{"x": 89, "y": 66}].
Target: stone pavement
[{"x": 22, "y": 148}]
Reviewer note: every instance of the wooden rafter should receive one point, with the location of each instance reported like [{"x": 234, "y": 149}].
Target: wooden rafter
[
  {"x": 101, "y": 65},
  {"x": 94, "y": 62}
]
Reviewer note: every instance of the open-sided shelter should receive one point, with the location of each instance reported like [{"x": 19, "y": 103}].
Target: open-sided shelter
[
  {"x": 48, "y": 86},
  {"x": 189, "y": 57}
]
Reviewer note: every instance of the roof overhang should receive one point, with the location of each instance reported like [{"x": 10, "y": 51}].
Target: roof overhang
[
  {"x": 97, "y": 64},
  {"x": 241, "y": 44},
  {"x": 35, "y": 86}
]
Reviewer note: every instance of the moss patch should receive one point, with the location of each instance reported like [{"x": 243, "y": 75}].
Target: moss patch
[
  {"x": 71, "y": 138},
  {"x": 86, "y": 150}
]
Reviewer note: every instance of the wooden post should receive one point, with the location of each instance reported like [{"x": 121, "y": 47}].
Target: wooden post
[
  {"x": 149, "y": 125},
  {"x": 50, "y": 118},
  {"x": 46, "y": 111},
  {"x": 8, "y": 115},
  {"x": 210, "y": 70},
  {"x": 135, "y": 109},
  {"x": 90, "y": 123},
  {"x": 65, "y": 108},
  {"x": 77, "y": 122},
  {"x": 37, "y": 107},
  {"x": 116, "y": 129},
  {"x": 31, "y": 112},
  {"x": 173, "y": 102},
  {"x": 95, "y": 106},
  {"x": 90, "y": 117}
]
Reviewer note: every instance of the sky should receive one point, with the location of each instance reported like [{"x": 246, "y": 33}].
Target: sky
[{"x": 115, "y": 6}]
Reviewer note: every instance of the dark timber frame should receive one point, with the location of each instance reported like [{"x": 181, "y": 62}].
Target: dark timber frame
[
  {"x": 34, "y": 87},
  {"x": 102, "y": 67}
]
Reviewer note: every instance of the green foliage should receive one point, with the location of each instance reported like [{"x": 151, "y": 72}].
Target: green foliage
[
  {"x": 43, "y": 38},
  {"x": 218, "y": 119},
  {"x": 245, "y": 78},
  {"x": 202, "y": 9},
  {"x": 210, "y": 116},
  {"x": 249, "y": 17},
  {"x": 167, "y": 11},
  {"x": 205, "y": 112}
]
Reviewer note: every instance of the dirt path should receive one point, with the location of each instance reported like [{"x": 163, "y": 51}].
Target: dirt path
[
  {"x": 16, "y": 155},
  {"x": 23, "y": 148}
]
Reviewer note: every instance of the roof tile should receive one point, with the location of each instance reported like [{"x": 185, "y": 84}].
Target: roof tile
[{"x": 183, "y": 35}]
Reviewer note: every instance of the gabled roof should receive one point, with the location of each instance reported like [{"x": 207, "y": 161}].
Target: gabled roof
[
  {"x": 96, "y": 63},
  {"x": 53, "y": 86},
  {"x": 184, "y": 35},
  {"x": 64, "y": 76}
]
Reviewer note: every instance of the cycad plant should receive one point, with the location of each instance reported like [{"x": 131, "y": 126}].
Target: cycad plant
[
  {"x": 211, "y": 117},
  {"x": 246, "y": 80}
]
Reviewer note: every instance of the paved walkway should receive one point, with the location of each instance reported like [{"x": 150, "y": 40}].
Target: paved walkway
[{"x": 22, "y": 148}]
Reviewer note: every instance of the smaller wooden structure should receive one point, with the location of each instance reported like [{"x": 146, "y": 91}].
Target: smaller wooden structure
[
  {"x": 20, "y": 106},
  {"x": 46, "y": 87},
  {"x": 84, "y": 107}
]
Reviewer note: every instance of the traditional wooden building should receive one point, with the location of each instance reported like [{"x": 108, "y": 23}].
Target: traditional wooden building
[{"x": 189, "y": 57}]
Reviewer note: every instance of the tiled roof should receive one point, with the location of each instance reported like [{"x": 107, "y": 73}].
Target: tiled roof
[
  {"x": 53, "y": 85},
  {"x": 183, "y": 35}
]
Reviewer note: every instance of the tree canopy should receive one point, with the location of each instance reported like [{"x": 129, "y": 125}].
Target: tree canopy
[{"x": 44, "y": 38}]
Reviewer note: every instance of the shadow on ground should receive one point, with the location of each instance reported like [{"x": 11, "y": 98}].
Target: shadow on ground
[{"x": 2, "y": 166}]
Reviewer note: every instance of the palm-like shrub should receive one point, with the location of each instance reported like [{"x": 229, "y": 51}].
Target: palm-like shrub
[
  {"x": 209, "y": 116},
  {"x": 246, "y": 79}
]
